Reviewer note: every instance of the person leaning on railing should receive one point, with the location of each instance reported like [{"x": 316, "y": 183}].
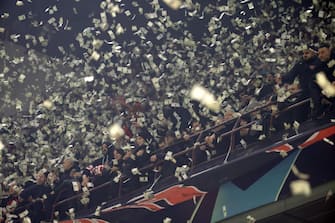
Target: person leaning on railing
[
  {"x": 303, "y": 70},
  {"x": 164, "y": 156}
]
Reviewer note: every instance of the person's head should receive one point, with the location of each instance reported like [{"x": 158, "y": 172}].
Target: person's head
[
  {"x": 229, "y": 114},
  {"x": 128, "y": 151},
  {"x": 209, "y": 139},
  {"x": 52, "y": 177},
  {"x": 169, "y": 137},
  {"x": 307, "y": 54},
  {"x": 269, "y": 78},
  {"x": 104, "y": 148},
  {"x": 278, "y": 79},
  {"x": 41, "y": 177},
  {"x": 324, "y": 52},
  {"x": 118, "y": 154},
  {"x": 68, "y": 164},
  {"x": 196, "y": 126},
  {"x": 258, "y": 81},
  {"x": 14, "y": 189},
  {"x": 140, "y": 140},
  {"x": 127, "y": 154}
]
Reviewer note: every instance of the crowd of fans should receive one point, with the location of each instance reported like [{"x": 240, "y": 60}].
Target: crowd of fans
[
  {"x": 135, "y": 158},
  {"x": 62, "y": 146}
]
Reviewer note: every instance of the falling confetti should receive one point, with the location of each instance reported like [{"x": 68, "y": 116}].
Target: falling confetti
[
  {"x": 300, "y": 187},
  {"x": 298, "y": 174},
  {"x": 174, "y": 4},
  {"x": 69, "y": 73},
  {"x": 205, "y": 97},
  {"x": 327, "y": 87},
  {"x": 116, "y": 131}
]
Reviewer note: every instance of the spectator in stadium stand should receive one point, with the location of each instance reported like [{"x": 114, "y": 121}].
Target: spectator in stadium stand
[
  {"x": 200, "y": 154},
  {"x": 172, "y": 147},
  {"x": 9, "y": 203},
  {"x": 114, "y": 171},
  {"x": 326, "y": 55},
  {"x": 196, "y": 126},
  {"x": 149, "y": 140},
  {"x": 119, "y": 142},
  {"x": 53, "y": 178},
  {"x": 197, "y": 111},
  {"x": 155, "y": 158},
  {"x": 142, "y": 157},
  {"x": 68, "y": 184},
  {"x": 217, "y": 143},
  {"x": 303, "y": 70},
  {"x": 185, "y": 116},
  {"x": 98, "y": 171},
  {"x": 327, "y": 65},
  {"x": 213, "y": 144},
  {"x": 53, "y": 183},
  {"x": 244, "y": 137},
  {"x": 265, "y": 87},
  {"x": 69, "y": 166},
  {"x": 129, "y": 180},
  {"x": 67, "y": 189},
  {"x": 107, "y": 155},
  {"x": 35, "y": 195},
  {"x": 188, "y": 138}
]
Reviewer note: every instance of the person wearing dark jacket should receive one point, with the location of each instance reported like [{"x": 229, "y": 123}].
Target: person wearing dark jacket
[
  {"x": 170, "y": 112},
  {"x": 68, "y": 186},
  {"x": 326, "y": 66},
  {"x": 303, "y": 70},
  {"x": 107, "y": 154},
  {"x": 97, "y": 170},
  {"x": 114, "y": 172},
  {"x": 172, "y": 147},
  {"x": 69, "y": 165},
  {"x": 142, "y": 157},
  {"x": 35, "y": 194},
  {"x": 129, "y": 180},
  {"x": 197, "y": 111}
]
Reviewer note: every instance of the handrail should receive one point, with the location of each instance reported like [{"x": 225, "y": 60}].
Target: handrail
[
  {"x": 216, "y": 126},
  {"x": 287, "y": 109},
  {"x": 151, "y": 165},
  {"x": 179, "y": 153},
  {"x": 193, "y": 151},
  {"x": 222, "y": 135},
  {"x": 232, "y": 139},
  {"x": 200, "y": 133},
  {"x": 293, "y": 106}
]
